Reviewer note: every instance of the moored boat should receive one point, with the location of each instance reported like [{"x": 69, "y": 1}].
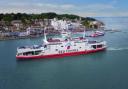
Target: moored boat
[{"x": 97, "y": 33}]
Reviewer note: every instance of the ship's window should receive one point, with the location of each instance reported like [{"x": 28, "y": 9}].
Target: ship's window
[
  {"x": 45, "y": 46},
  {"x": 56, "y": 49},
  {"x": 62, "y": 46},
  {"x": 37, "y": 52},
  {"x": 59, "y": 52},
  {"x": 66, "y": 39},
  {"x": 19, "y": 54},
  {"x": 99, "y": 46},
  {"x": 80, "y": 47},
  {"x": 28, "y": 53},
  {"x": 94, "y": 46}
]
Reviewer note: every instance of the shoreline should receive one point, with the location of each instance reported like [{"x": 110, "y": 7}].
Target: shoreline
[
  {"x": 16, "y": 38},
  {"x": 25, "y": 37},
  {"x": 35, "y": 36}
]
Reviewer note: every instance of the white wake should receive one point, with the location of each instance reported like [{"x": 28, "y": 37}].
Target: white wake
[{"x": 117, "y": 49}]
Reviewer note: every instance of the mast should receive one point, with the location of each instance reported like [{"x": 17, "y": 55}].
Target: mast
[
  {"x": 84, "y": 33},
  {"x": 45, "y": 37}
]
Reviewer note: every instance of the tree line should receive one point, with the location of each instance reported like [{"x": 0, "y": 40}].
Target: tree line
[
  {"x": 26, "y": 18},
  {"x": 50, "y": 15}
]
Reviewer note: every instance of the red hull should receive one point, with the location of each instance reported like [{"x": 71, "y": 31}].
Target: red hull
[{"x": 59, "y": 55}]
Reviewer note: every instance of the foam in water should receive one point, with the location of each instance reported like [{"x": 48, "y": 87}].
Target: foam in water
[{"x": 116, "y": 49}]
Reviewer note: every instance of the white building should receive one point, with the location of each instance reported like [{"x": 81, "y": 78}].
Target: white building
[{"x": 63, "y": 24}]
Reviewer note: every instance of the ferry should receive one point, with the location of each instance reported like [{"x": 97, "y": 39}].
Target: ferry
[{"x": 60, "y": 47}]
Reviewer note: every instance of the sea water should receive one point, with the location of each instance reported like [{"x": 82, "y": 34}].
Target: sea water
[{"x": 102, "y": 70}]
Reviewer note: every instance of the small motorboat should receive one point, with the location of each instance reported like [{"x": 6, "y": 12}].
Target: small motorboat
[{"x": 97, "y": 33}]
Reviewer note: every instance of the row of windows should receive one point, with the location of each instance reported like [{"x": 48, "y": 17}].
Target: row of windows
[
  {"x": 97, "y": 46},
  {"x": 65, "y": 51},
  {"x": 79, "y": 42},
  {"x": 31, "y": 53},
  {"x": 63, "y": 46}
]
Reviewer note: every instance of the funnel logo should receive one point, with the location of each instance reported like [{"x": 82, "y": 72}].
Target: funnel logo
[{"x": 68, "y": 45}]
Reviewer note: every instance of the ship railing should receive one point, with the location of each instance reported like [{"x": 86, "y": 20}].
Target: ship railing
[
  {"x": 92, "y": 42},
  {"x": 30, "y": 47}
]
